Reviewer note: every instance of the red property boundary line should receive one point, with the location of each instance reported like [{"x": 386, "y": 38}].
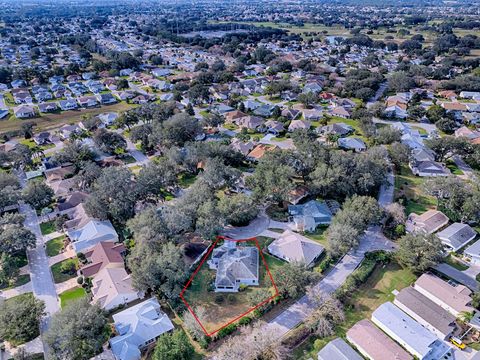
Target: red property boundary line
[{"x": 249, "y": 310}]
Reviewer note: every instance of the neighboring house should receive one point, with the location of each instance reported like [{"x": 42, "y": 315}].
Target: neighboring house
[
  {"x": 62, "y": 187},
  {"x": 259, "y": 151},
  {"x": 428, "y": 168},
  {"x": 24, "y": 111},
  {"x": 338, "y": 349},
  {"x": 138, "y": 327},
  {"x": 352, "y": 143},
  {"x": 47, "y": 107},
  {"x": 235, "y": 266},
  {"x": 416, "y": 339},
  {"x": 299, "y": 125},
  {"x": 68, "y": 104},
  {"x": 274, "y": 127},
  {"x": 102, "y": 255},
  {"x": 243, "y": 147},
  {"x": 339, "y": 129},
  {"x": 429, "y": 222},
  {"x": 72, "y": 200},
  {"x": 108, "y": 118},
  {"x": 457, "y": 236},
  {"x": 92, "y": 233},
  {"x": 264, "y": 110},
  {"x": 106, "y": 98},
  {"x": 42, "y": 138},
  {"x": 293, "y": 247},
  {"x": 312, "y": 114},
  {"x": 340, "y": 111},
  {"x": 4, "y": 113},
  {"x": 250, "y": 122},
  {"x": 426, "y": 312},
  {"x": 112, "y": 287},
  {"x": 472, "y": 253},
  {"x": 373, "y": 344},
  {"x": 66, "y": 131},
  {"x": 87, "y": 101},
  {"x": 466, "y": 132},
  {"x": 310, "y": 215},
  {"x": 454, "y": 299}
]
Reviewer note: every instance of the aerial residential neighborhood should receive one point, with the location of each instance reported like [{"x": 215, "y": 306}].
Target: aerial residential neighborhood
[{"x": 240, "y": 180}]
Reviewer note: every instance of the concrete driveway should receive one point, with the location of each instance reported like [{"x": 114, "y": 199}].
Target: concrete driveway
[{"x": 255, "y": 228}]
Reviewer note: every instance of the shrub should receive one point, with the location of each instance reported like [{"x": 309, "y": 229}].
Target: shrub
[
  {"x": 219, "y": 299},
  {"x": 231, "y": 299},
  {"x": 68, "y": 267},
  {"x": 227, "y": 330},
  {"x": 80, "y": 280}
]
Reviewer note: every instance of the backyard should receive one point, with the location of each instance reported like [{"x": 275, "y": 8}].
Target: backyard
[
  {"x": 408, "y": 189},
  {"x": 374, "y": 292}
]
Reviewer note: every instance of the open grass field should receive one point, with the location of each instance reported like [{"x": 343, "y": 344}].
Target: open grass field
[
  {"x": 69, "y": 296},
  {"x": 55, "y": 246},
  {"x": 409, "y": 187},
  {"x": 221, "y": 308},
  {"x": 376, "y": 291},
  {"x": 52, "y": 121}
]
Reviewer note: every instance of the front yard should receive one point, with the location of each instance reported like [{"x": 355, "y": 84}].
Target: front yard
[
  {"x": 55, "y": 246},
  {"x": 48, "y": 227},
  {"x": 69, "y": 296},
  {"x": 64, "y": 270}
]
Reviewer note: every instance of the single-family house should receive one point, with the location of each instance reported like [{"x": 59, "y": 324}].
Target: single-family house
[
  {"x": 456, "y": 236},
  {"x": 293, "y": 247},
  {"x": 69, "y": 104},
  {"x": 259, "y": 151},
  {"x": 428, "y": 168},
  {"x": 291, "y": 114},
  {"x": 250, "y": 122},
  {"x": 47, "y": 107},
  {"x": 340, "y": 111},
  {"x": 137, "y": 328},
  {"x": 251, "y": 105},
  {"x": 474, "y": 95},
  {"x": 466, "y": 132},
  {"x": 4, "y": 113},
  {"x": 454, "y": 299},
  {"x": 24, "y": 111},
  {"x": 352, "y": 143},
  {"x": 339, "y": 129},
  {"x": 102, "y": 255},
  {"x": 429, "y": 222},
  {"x": 243, "y": 147},
  {"x": 92, "y": 233},
  {"x": 274, "y": 127},
  {"x": 338, "y": 349},
  {"x": 42, "y": 138},
  {"x": 235, "y": 266},
  {"x": 112, "y": 287},
  {"x": 87, "y": 101},
  {"x": 108, "y": 118},
  {"x": 66, "y": 131},
  {"x": 472, "y": 253},
  {"x": 71, "y": 200},
  {"x": 416, "y": 339},
  {"x": 312, "y": 114},
  {"x": 430, "y": 315},
  {"x": 233, "y": 116},
  {"x": 373, "y": 344},
  {"x": 299, "y": 125},
  {"x": 307, "y": 217},
  {"x": 106, "y": 98}
]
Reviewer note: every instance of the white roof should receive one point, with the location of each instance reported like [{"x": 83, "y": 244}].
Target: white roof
[
  {"x": 338, "y": 349},
  {"x": 295, "y": 247},
  {"x": 405, "y": 328}
]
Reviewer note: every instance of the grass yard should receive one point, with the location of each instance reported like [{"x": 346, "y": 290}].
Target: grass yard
[
  {"x": 48, "y": 227},
  {"x": 450, "y": 260},
  {"x": 453, "y": 167},
  {"x": 52, "y": 121},
  {"x": 408, "y": 188},
  {"x": 69, "y": 296},
  {"x": 55, "y": 246},
  {"x": 18, "y": 281},
  {"x": 127, "y": 159},
  {"x": 185, "y": 180},
  {"x": 64, "y": 270},
  {"x": 376, "y": 291},
  {"x": 319, "y": 236}
]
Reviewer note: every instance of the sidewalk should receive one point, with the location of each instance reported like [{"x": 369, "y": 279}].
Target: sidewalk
[
  {"x": 69, "y": 253},
  {"x": 19, "y": 290}
]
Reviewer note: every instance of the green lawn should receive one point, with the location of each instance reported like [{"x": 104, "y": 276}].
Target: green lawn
[
  {"x": 55, "y": 246},
  {"x": 376, "y": 291},
  {"x": 453, "y": 167},
  {"x": 71, "y": 295},
  {"x": 408, "y": 188},
  {"x": 48, "y": 227},
  {"x": 60, "y": 276},
  {"x": 450, "y": 260},
  {"x": 185, "y": 180},
  {"x": 18, "y": 281},
  {"x": 319, "y": 236}
]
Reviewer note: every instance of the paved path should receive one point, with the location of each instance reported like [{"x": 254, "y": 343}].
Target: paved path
[
  {"x": 67, "y": 254},
  {"x": 427, "y": 127},
  {"x": 66, "y": 285},
  {"x": 378, "y": 94},
  {"x": 137, "y": 154},
  {"x": 7, "y": 294},
  {"x": 270, "y": 234},
  {"x": 41, "y": 277},
  {"x": 255, "y": 228},
  {"x": 285, "y": 144},
  {"x": 462, "y": 165}
]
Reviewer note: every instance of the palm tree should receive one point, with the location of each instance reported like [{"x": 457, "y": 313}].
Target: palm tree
[{"x": 466, "y": 316}]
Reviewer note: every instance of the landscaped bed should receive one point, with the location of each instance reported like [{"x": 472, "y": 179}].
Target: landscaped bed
[
  {"x": 69, "y": 296},
  {"x": 55, "y": 246},
  {"x": 64, "y": 270},
  {"x": 18, "y": 281}
]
